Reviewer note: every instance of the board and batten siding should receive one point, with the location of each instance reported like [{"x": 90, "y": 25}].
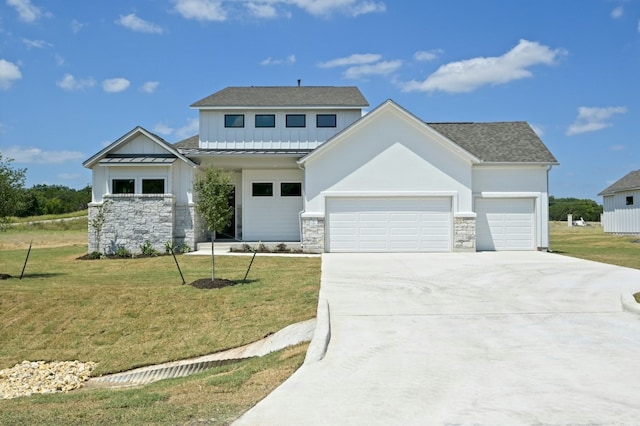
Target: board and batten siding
[
  {"x": 620, "y": 218},
  {"x": 214, "y": 135},
  {"x": 274, "y": 218}
]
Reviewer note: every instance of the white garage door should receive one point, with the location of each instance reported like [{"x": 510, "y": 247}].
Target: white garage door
[
  {"x": 505, "y": 224},
  {"x": 389, "y": 224}
]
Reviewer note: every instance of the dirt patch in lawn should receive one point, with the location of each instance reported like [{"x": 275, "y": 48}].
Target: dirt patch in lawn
[{"x": 208, "y": 283}]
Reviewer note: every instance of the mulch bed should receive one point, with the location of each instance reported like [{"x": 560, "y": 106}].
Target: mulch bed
[
  {"x": 208, "y": 283},
  {"x": 4, "y": 276}
]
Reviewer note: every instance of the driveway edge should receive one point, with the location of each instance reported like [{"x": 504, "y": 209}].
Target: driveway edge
[
  {"x": 629, "y": 303},
  {"x": 321, "y": 335}
]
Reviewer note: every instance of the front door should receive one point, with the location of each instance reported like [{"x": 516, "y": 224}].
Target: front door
[{"x": 229, "y": 233}]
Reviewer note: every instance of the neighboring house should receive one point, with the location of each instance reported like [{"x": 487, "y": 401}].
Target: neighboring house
[
  {"x": 308, "y": 166},
  {"x": 621, "y": 213}
]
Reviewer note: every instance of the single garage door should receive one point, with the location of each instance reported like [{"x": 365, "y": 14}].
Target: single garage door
[
  {"x": 389, "y": 224},
  {"x": 505, "y": 224}
]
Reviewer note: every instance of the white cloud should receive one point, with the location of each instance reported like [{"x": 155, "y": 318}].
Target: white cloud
[
  {"x": 115, "y": 85},
  {"x": 37, "y": 44},
  {"x": 32, "y": 155},
  {"x": 76, "y": 26},
  {"x": 149, "y": 86},
  {"x": 618, "y": 148},
  {"x": 591, "y": 119},
  {"x": 355, "y": 59},
  {"x": 59, "y": 60},
  {"x": 70, "y": 83},
  {"x": 291, "y": 59},
  {"x": 427, "y": 55},
  {"x": 379, "y": 68},
  {"x": 262, "y": 10},
  {"x": 27, "y": 12},
  {"x": 471, "y": 74},
  {"x": 617, "y": 12},
  {"x": 139, "y": 25},
  {"x": 9, "y": 73},
  {"x": 346, "y": 7},
  {"x": 162, "y": 129},
  {"x": 201, "y": 10},
  {"x": 191, "y": 128}
]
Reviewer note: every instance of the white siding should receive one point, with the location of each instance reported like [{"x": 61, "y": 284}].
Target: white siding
[
  {"x": 140, "y": 145},
  {"x": 273, "y": 218},
  {"x": 619, "y": 217},
  {"x": 213, "y": 134}
]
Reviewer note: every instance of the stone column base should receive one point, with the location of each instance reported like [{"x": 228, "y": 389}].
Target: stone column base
[
  {"x": 464, "y": 232},
  {"x": 312, "y": 239}
]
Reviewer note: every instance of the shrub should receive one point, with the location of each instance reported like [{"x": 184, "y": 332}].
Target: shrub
[
  {"x": 95, "y": 255},
  {"x": 148, "y": 250},
  {"x": 122, "y": 251}
]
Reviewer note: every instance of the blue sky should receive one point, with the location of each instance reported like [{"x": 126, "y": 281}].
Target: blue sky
[{"x": 76, "y": 75}]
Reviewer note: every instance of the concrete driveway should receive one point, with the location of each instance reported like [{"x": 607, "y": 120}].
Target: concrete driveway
[{"x": 484, "y": 338}]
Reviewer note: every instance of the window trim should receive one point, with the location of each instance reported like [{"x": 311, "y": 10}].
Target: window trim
[
  {"x": 304, "y": 120},
  {"x": 335, "y": 121},
  {"x": 164, "y": 186},
  {"x": 130, "y": 180},
  {"x": 297, "y": 194},
  {"x": 253, "y": 189},
  {"x": 272, "y": 116},
  {"x": 229, "y": 125}
]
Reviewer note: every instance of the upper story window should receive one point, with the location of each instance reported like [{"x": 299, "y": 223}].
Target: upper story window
[
  {"x": 153, "y": 186},
  {"x": 234, "y": 120},
  {"x": 123, "y": 186},
  {"x": 630, "y": 200},
  {"x": 296, "y": 120},
  {"x": 265, "y": 120},
  {"x": 326, "y": 120}
]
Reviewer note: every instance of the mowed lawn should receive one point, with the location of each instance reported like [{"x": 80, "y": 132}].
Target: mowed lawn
[{"x": 128, "y": 313}]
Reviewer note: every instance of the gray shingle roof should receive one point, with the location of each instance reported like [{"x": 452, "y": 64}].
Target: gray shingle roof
[
  {"x": 285, "y": 96},
  {"x": 629, "y": 182},
  {"x": 190, "y": 143},
  {"x": 502, "y": 142}
]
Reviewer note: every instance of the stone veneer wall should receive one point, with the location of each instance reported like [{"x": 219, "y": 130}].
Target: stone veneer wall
[
  {"x": 313, "y": 234},
  {"x": 188, "y": 229},
  {"x": 464, "y": 234},
  {"x": 131, "y": 220}
]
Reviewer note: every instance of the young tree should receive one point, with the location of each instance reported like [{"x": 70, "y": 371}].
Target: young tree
[
  {"x": 11, "y": 190},
  {"x": 212, "y": 203}
]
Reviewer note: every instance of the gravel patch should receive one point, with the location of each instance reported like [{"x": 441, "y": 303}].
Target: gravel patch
[{"x": 32, "y": 377}]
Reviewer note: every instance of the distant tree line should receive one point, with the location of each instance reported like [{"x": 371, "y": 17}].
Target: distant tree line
[
  {"x": 52, "y": 199},
  {"x": 587, "y": 209}
]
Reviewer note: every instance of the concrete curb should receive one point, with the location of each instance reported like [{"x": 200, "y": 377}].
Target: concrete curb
[
  {"x": 288, "y": 336},
  {"x": 321, "y": 335},
  {"x": 629, "y": 303}
]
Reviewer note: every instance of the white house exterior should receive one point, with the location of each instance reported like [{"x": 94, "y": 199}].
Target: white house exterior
[
  {"x": 307, "y": 166},
  {"x": 621, "y": 205}
]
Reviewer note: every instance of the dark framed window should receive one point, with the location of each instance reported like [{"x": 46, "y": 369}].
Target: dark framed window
[
  {"x": 153, "y": 186},
  {"x": 296, "y": 120},
  {"x": 265, "y": 120},
  {"x": 123, "y": 186},
  {"x": 234, "y": 120},
  {"x": 262, "y": 189},
  {"x": 326, "y": 120},
  {"x": 630, "y": 200},
  {"x": 290, "y": 189}
]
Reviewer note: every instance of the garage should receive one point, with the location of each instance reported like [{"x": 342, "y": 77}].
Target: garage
[
  {"x": 505, "y": 224},
  {"x": 389, "y": 224}
]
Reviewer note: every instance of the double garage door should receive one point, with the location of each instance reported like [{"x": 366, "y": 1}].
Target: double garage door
[
  {"x": 505, "y": 224},
  {"x": 388, "y": 224}
]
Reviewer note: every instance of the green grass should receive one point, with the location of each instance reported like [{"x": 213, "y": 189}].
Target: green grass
[
  {"x": 592, "y": 243},
  {"x": 127, "y": 313}
]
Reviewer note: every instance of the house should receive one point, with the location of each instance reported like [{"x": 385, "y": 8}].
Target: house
[
  {"x": 307, "y": 165},
  {"x": 621, "y": 201}
]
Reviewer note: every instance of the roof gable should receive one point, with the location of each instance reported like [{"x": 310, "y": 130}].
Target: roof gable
[
  {"x": 629, "y": 182},
  {"x": 111, "y": 155},
  {"x": 284, "y": 97}
]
